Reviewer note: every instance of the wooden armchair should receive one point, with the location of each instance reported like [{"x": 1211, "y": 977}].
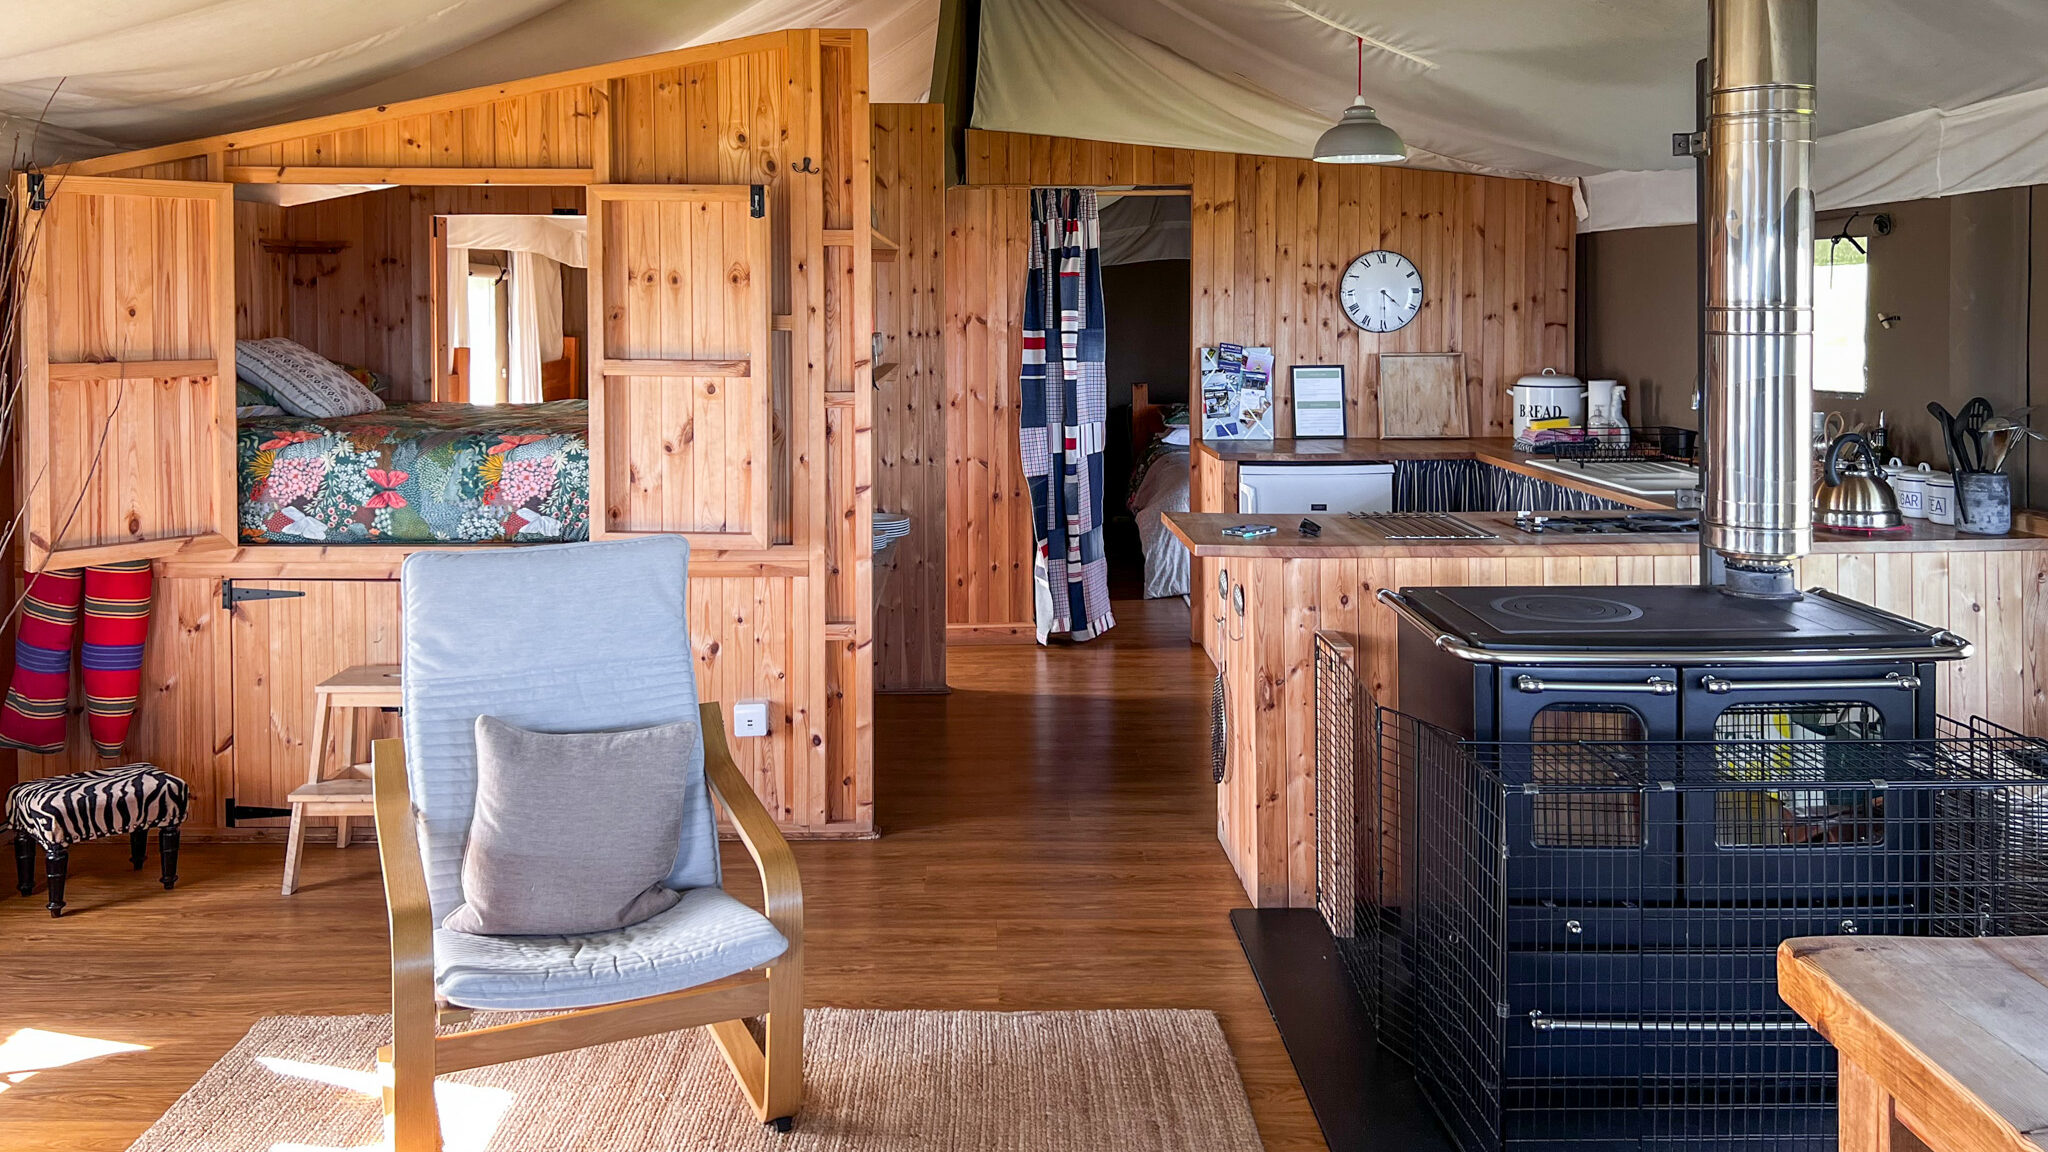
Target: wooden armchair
[{"x": 760, "y": 977}]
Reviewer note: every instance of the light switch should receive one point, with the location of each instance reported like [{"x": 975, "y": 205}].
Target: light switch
[{"x": 750, "y": 718}]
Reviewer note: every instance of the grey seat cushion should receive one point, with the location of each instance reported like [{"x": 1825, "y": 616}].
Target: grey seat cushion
[
  {"x": 573, "y": 831},
  {"x": 707, "y": 936}
]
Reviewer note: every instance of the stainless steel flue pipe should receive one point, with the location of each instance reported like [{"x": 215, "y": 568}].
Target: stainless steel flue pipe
[{"x": 1757, "y": 511}]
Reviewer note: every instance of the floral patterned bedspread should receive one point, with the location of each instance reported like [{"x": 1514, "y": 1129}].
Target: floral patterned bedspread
[{"x": 418, "y": 474}]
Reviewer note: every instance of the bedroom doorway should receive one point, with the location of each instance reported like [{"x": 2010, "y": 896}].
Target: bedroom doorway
[{"x": 1145, "y": 288}]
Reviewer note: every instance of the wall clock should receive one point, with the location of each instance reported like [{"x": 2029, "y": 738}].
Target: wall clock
[{"x": 1381, "y": 291}]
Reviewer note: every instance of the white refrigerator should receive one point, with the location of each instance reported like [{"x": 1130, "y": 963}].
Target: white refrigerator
[{"x": 1275, "y": 489}]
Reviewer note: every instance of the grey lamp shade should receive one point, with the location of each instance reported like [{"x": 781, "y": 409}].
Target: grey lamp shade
[{"x": 1360, "y": 138}]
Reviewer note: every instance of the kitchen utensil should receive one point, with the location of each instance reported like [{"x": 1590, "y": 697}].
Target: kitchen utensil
[
  {"x": 1548, "y": 396},
  {"x": 1910, "y": 486},
  {"x": 1971, "y": 423},
  {"x": 1984, "y": 503},
  {"x": 1852, "y": 495},
  {"x": 1948, "y": 434},
  {"x": 2002, "y": 435},
  {"x": 1940, "y": 501},
  {"x": 1833, "y": 426}
]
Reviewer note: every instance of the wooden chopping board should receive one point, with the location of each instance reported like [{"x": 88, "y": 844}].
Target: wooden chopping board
[{"x": 1422, "y": 395}]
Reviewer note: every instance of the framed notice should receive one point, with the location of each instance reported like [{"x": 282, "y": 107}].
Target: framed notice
[{"x": 1318, "y": 399}]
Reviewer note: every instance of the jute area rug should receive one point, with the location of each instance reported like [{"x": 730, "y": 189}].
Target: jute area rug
[{"x": 875, "y": 1082}]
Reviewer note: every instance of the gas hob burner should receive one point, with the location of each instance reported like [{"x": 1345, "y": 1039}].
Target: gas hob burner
[
  {"x": 1566, "y": 608},
  {"x": 1634, "y": 523}
]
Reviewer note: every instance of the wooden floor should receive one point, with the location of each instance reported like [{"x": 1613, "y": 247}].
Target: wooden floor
[{"x": 1048, "y": 842}]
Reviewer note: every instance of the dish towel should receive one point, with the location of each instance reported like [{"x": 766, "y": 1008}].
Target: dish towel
[{"x": 116, "y": 601}]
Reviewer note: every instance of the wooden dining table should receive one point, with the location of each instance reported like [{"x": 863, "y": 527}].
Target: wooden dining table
[{"x": 1943, "y": 1042}]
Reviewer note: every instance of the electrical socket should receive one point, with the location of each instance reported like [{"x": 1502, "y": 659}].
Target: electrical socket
[{"x": 750, "y": 718}]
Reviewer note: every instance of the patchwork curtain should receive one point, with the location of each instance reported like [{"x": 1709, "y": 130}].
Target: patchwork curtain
[
  {"x": 1063, "y": 404},
  {"x": 116, "y": 601}
]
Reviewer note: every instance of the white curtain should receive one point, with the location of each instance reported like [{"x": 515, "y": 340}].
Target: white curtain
[
  {"x": 539, "y": 247},
  {"x": 536, "y": 324}
]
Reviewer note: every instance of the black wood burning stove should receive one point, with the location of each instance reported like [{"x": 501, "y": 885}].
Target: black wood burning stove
[{"x": 1601, "y": 809}]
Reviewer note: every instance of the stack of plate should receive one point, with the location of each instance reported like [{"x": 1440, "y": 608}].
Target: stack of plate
[{"x": 889, "y": 529}]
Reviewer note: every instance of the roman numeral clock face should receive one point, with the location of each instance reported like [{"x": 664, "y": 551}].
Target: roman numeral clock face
[{"x": 1381, "y": 291}]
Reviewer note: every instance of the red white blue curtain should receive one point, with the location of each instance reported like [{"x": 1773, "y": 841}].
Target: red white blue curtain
[{"x": 1064, "y": 405}]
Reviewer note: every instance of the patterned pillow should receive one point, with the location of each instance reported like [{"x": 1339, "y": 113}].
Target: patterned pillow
[
  {"x": 252, "y": 400},
  {"x": 304, "y": 383}
]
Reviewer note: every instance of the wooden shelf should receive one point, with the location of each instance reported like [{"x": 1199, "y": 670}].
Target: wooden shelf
[
  {"x": 884, "y": 371},
  {"x": 884, "y": 248}
]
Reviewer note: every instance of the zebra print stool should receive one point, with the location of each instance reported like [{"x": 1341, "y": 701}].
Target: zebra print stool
[{"x": 64, "y": 810}]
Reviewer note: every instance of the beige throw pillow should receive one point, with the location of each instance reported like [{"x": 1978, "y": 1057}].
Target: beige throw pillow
[{"x": 573, "y": 832}]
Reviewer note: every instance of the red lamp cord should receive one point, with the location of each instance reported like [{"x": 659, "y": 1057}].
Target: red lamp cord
[{"x": 1361, "y": 67}]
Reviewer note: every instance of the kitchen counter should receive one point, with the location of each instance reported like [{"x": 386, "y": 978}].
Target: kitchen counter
[
  {"x": 1268, "y": 602},
  {"x": 1343, "y": 537},
  {"x": 1496, "y": 450}
]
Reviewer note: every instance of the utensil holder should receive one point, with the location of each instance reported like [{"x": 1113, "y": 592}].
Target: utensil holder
[{"x": 1984, "y": 503}]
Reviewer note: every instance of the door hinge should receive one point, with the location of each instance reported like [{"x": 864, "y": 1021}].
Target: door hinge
[
  {"x": 757, "y": 203},
  {"x": 252, "y": 812},
  {"x": 231, "y": 595},
  {"x": 1689, "y": 144}
]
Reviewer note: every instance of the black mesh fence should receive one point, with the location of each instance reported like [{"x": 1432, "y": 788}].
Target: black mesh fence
[{"x": 1573, "y": 941}]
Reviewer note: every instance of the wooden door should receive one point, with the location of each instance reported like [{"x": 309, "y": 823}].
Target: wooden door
[
  {"x": 279, "y": 649},
  {"x": 128, "y": 370},
  {"x": 679, "y": 382}
]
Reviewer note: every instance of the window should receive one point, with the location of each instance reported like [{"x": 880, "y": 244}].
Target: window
[{"x": 1841, "y": 305}]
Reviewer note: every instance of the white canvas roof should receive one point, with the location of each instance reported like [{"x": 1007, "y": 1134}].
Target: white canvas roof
[{"x": 1918, "y": 97}]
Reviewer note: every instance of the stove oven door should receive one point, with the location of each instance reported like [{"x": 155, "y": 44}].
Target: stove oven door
[
  {"x": 1777, "y": 796},
  {"x": 1585, "y": 821}
]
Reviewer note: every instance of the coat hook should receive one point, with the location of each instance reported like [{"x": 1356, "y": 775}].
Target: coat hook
[{"x": 806, "y": 168}]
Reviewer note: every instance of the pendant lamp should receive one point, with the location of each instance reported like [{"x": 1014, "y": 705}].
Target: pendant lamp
[{"x": 1359, "y": 137}]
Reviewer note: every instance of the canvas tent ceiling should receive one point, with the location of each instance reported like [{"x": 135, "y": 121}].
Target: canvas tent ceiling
[{"x": 1917, "y": 98}]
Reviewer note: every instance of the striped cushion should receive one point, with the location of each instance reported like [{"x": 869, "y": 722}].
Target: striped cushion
[{"x": 65, "y": 810}]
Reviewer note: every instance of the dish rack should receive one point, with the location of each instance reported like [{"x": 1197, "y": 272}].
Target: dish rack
[{"x": 1654, "y": 442}]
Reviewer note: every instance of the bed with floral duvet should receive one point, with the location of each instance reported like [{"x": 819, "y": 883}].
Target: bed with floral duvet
[{"x": 417, "y": 474}]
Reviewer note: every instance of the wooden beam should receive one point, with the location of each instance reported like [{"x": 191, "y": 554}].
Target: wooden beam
[
  {"x": 134, "y": 369},
  {"x": 416, "y": 177},
  {"x": 737, "y": 369},
  {"x": 955, "y": 60}
]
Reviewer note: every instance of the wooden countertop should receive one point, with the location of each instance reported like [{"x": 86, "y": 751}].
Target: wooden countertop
[
  {"x": 1342, "y": 539},
  {"x": 1941, "y": 1036},
  {"x": 1496, "y": 450}
]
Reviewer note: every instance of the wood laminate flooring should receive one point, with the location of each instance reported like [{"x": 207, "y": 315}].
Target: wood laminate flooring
[{"x": 1048, "y": 843}]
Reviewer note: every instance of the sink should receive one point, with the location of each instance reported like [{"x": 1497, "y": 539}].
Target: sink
[{"x": 1642, "y": 477}]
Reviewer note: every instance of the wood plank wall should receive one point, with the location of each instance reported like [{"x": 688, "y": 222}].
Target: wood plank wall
[
  {"x": 1271, "y": 239},
  {"x": 910, "y": 401},
  {"x": 790, "y": 623},
  {"x": 988, "y": 506},
  {"x": 369, "y": 303}
]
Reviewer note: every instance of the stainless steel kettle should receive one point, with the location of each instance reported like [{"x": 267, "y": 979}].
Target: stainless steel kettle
[{"x": 1852, "y": 495}]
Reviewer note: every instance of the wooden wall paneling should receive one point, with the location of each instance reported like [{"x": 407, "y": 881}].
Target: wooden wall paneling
[
  {"x": 679, "y": 383},
  {"x": 752, "y": 111},
  {"x": 910, "y": 402},
  {"x": 988, "y": 576},
  {"x": 127, "y": 359},
  {"x": 183, "y": 718},
  {"x": 847, "y": 180},
  {"x": 279, "y": 649}
]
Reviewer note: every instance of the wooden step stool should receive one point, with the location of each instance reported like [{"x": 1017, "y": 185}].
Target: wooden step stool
[{"x": 350, "y": 794}]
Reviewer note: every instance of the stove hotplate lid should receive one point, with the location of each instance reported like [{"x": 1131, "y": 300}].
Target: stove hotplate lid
[{"x": 1666, "y": 622}]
